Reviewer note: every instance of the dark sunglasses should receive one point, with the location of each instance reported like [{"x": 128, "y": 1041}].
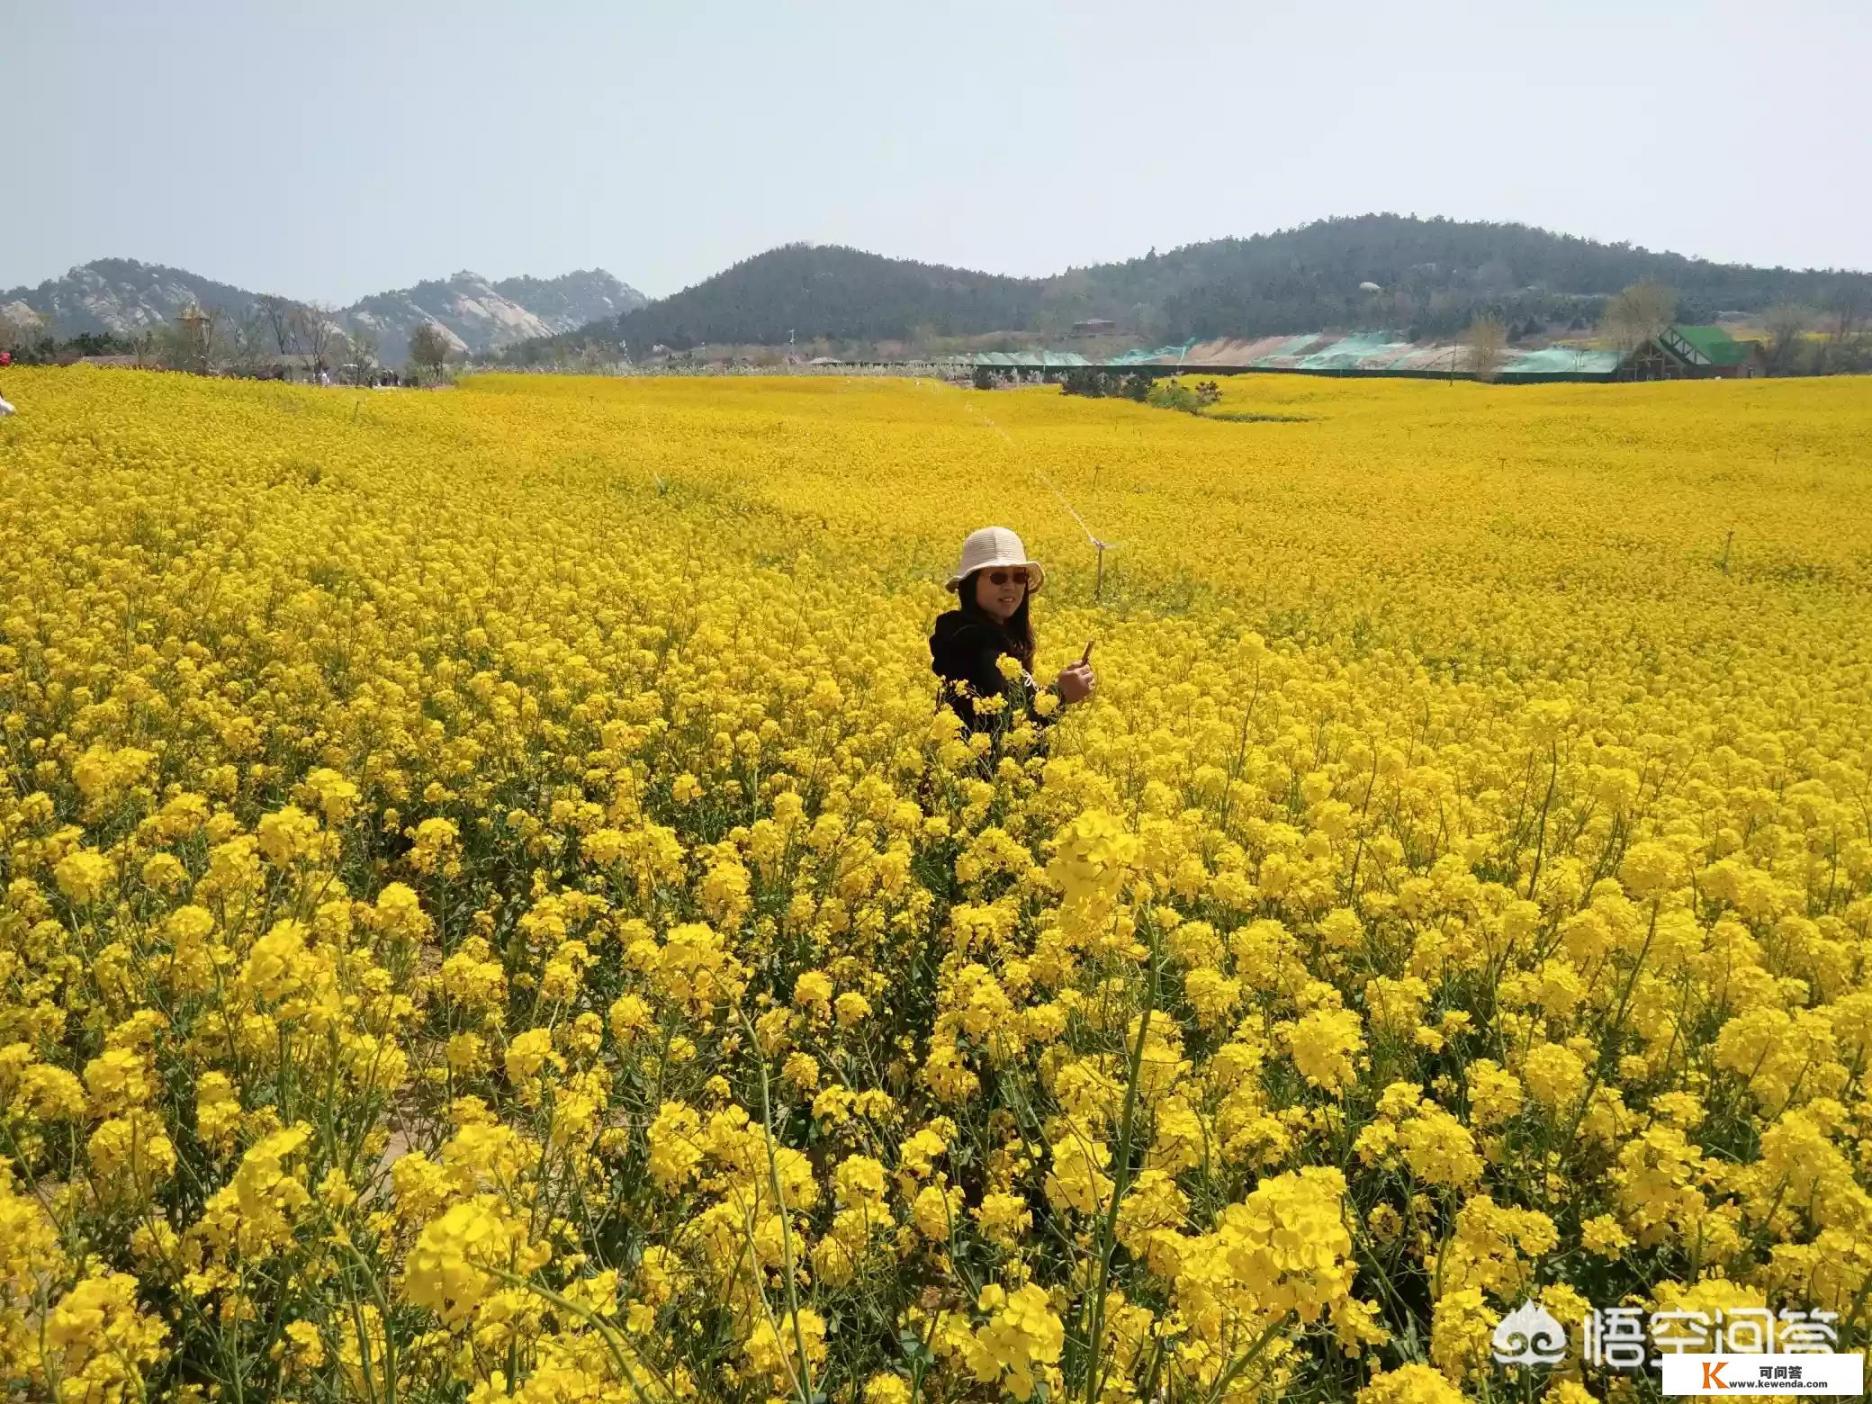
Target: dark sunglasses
[{"x": 1005, "y": 577}]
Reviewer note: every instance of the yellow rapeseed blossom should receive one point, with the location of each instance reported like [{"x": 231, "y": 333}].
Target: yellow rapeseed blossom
[
  {"x": 1020, "y": 1343},
  {"x": 99, "y": 1345},
  {"x": 490, "y": 907}
]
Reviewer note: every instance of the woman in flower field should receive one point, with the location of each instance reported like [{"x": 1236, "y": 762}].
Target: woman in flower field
[{"x": 983, "y": 649}]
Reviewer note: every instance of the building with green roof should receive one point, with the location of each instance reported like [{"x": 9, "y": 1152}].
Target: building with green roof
[{"x": 1692, "y": 353}]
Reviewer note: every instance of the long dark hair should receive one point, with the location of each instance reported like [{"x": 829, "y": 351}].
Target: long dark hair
[{"x": 1019, "y": 627}]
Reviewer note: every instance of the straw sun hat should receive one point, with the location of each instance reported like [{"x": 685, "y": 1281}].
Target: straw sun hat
[{"x": 996, "y": 546}]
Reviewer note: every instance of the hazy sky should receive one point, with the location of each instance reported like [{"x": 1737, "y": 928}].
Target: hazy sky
[{"x": 328, "y": 149}]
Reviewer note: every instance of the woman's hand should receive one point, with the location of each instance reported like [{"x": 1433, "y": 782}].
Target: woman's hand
[{"x": 1076, "y": 682}]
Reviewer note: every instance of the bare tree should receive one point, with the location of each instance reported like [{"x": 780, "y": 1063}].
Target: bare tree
[
  {"x": 315, "y": 333},
  {"x": 1846, "y": 307},
  {"x": 365, "y": 353},
  {"x": 1639, "y": 313},
  {"x": 13, "y": 334},
  {"x": 429, "y": 347},
  {"x": 246, "y": 340},
  {"x": 278, "y": 313},
  {"x": 1487, "y": 340},
  {"x": 1786, "y": 324}
]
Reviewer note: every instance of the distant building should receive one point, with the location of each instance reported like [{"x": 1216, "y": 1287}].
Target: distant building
[
  {"x": 1094, "y": 326},
  {"x": 1693, "y": 353}
]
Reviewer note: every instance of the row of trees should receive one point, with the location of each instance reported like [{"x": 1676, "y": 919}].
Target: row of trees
[
  {"x": 254, "y": 341},
  {"x": 1830, "y": 340},
  {"x": 1098, "y": 384},
  {"x": 1168, "y": 393},
  {"x": 32, "y": 345}
]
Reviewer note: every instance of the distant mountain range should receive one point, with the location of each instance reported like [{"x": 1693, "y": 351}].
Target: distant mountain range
[
  {"x": 124, "y": 297},
  {"x": 1422, "y": 277}
]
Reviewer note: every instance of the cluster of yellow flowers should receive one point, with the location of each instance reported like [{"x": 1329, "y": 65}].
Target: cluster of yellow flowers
[{"x": 490, "y": 910}]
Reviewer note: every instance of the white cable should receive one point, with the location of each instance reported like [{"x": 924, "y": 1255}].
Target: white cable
[{"x": 1047, "y": 482}]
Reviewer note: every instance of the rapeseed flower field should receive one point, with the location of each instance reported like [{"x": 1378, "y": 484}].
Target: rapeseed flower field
[{"x": 491, "y": 911}]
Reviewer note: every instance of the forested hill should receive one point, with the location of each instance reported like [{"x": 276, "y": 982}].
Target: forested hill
[
  {"x": 813, "y": 292},
  {"x": 1431, "y": 277}
]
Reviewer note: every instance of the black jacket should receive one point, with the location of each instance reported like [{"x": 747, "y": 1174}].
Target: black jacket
[{"x": 967, "y": 651}]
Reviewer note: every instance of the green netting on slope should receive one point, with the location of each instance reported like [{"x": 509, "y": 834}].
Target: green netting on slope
[
  {"x": 1142, "y": 355},
  {"x": 1562, "y": 360}
]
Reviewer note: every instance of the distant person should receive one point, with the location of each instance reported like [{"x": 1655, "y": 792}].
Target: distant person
[{"x": 995, "y": 584}]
